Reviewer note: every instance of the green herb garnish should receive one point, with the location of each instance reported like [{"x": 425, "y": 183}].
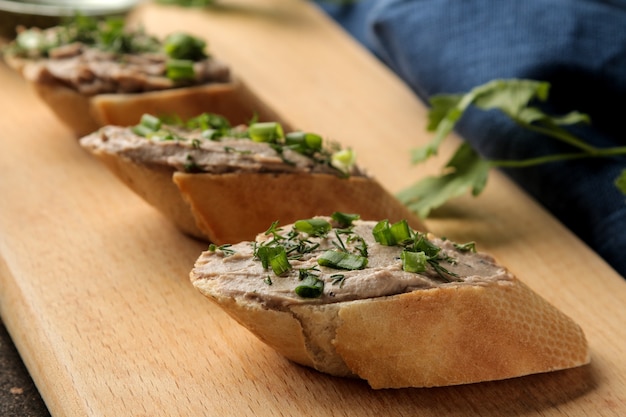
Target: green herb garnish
[
  {"x": 417, "y": 249},
  {"x": 266, "y": 132},
  {"x": 310, "y": 286},
  {"x": 179, "y": 69},
  {"x": 274, "y": 257},
  {"x": 313, "y": 227},
  {"x": 342, "y": 260},
  {"x": 344, "y": 220},
  {"x": 225, "y": 249},
  {"x": 184, "y": 46},
  {"x": 467, "y": 170}
]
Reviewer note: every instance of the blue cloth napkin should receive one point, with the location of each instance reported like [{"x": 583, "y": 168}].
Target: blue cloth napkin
[{"x": 578, "y": 46}]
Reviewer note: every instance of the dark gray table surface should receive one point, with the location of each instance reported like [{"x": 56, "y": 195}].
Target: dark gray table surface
[{"x": 18, "y": 394}]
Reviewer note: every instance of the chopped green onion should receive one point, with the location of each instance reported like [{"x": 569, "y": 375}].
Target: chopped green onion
[
  {"x": 400, "y": 231},
  {"x": 208, "y": 121},
  {"x": 179, "y": 69},
  {"x": 211, "y": 134},
  {"x": 382, "y": 233},
  {"x": 342, "y": 260},
  {"x": 310, "y": 287},
  {"x": 274, "y": 257},
  {"x": 422, "y": 244},
  {"x": 313, "y": 227},
  {"x": 141, "y": 130},
  {"x": 147, "y": 125},
  {"x": 344, "y": 219},
  {"x": 343, "y": 160},
  {"x": 413, "y": 261},
  {"x": 151, "y": 122},
  {"x": 304, "y": 142},
  {"x": 265, "y": 132},
  {"x": 184, "y": 46},
  {"x": 279, "y": 263}
]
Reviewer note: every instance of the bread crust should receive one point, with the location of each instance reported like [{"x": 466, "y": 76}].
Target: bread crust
[
  {"x": 85, "y": 114},
  {"x": 461, "y": 319},
  {"x": 232, "y": 207},
  {"x": 235, "y": 207},
  {"x": 433, "y": 337}
]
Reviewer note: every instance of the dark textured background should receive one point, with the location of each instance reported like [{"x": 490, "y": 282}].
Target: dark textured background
[{"x": 18, "y": 394}]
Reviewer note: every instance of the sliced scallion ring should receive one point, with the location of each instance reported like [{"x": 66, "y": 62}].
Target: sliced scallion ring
[
  {"x": 310, "y": 287},
  {"x": 344, "y": 219},
  {"x": 401, "y": 231},
  {"x": 342, "y": 260},
  {"x": 382, "y": 233},
  {"x": 343, "y": 160},
  {"x": 265, "y": 132},
  {"x": 313, "y": 227},
  {"x": 413, "y": 261},
  {"x": 179, "y": 69}
]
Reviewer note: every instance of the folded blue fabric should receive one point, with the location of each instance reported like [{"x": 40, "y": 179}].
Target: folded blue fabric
[{"x": 578, "y": 46}]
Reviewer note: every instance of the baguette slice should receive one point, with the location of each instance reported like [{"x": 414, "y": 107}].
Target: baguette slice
[
  {"x": 84, "y": 114},
  {"x": 88, "y": 90},
  {"x": 393, "y": 328},
  {"x": 229, "y": 208},
  {"x": 234, "y": 205}
]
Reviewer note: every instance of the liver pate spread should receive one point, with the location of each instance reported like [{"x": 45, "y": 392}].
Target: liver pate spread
[
  {"x": 235, "y": 271},
  {"x": 189, "y": 151},
  {"x": 91, "y": 71},
  {"x": 102, "y": 59}
]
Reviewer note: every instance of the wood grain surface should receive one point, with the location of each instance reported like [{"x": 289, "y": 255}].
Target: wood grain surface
[{"x": 94, "y": 285}]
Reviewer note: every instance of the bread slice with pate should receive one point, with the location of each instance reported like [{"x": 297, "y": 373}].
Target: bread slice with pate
[
  {"x": 93, "y": 73},
  {"x": 382, "y": 302},
  {"x": 226, "y": 183}
]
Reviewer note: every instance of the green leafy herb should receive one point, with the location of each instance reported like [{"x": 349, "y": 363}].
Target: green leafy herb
[
  {"x": 338, "y": 279},
  {"x": 467, "y": 170},
  {"x": 225, "y": 249},
  {"x": 466, "y": 247}
]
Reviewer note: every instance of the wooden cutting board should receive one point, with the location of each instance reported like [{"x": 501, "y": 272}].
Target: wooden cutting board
[{"x": 94, "y": 282}]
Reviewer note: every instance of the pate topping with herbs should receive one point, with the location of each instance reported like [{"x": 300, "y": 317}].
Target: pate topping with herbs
[
  {"x": 327, "y": 260},
  {"x": 95, "y": 56},
  {"x": 207, "y": 143}
]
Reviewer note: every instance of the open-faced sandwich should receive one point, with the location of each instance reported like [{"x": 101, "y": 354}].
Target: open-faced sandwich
[
  {"x": 93, "y": 72},
  {"x": 382, "y": 302},
  {"x": 226, "y": 183}
]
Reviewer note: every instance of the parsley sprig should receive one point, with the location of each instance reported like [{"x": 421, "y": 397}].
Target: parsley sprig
[{"x": 467, "y": 170}]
